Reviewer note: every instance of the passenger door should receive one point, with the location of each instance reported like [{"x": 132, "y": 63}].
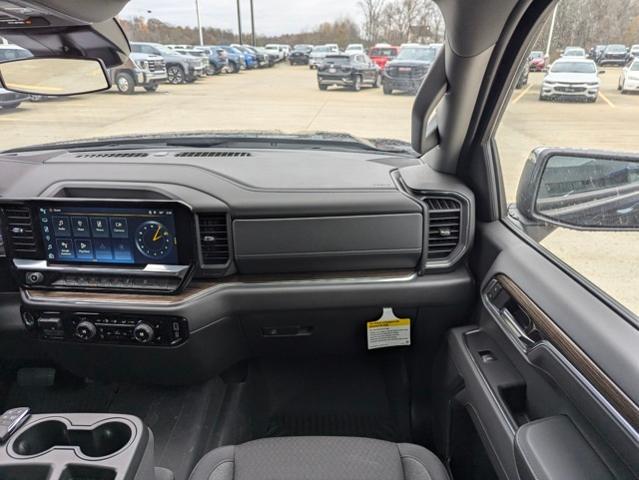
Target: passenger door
[{"x": 546, "y": 377}]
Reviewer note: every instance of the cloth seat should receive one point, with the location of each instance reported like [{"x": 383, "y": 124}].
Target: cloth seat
[{"x": 320, "y": 458}]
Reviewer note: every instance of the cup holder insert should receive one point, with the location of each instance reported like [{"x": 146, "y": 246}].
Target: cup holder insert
[
  {"x": 81, "y": 472},
  {"x": 106, "y": 439},
  {"x": 25, "y": 472}
]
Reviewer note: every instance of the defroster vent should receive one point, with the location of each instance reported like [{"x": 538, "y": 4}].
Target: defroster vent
[
  {"x": 444, "y": 215},
  {"x": 20, "y": 230},
  {"x": 214, "y": 238}
]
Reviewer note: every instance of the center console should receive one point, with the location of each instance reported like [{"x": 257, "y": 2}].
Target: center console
[{"x": 81, "y": 446}]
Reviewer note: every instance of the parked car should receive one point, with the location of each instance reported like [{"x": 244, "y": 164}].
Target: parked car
[
  {"x": 522, "y": 76},
  {"x": 179, "y": 68},
  {"x": 615, "y": 54},
  {"x": 383, "y": 53},
  {"x": 595, "y": 52},
  {"x": 537, "y": 61},
  {"x": 353, "y": 70},
  {"x": 277, "y": 50},
  {"x": 407, "y": 71},
  {"x": 10, "y": 100},
  {"x": 354, "y": 48},
  {"x": 10, "y": 52},
  {"x": 250, "y": 58},
  {"x": 202, "y": 56},
  {"x": 236, "y": 59},
  {"x": 262, "y": 58},
  {"x": 300, "y": 55},
  {"x": 574, "y": 52},
  {"x": 140, "y": 70},
  {"x": 218, "y": 60},
  {"x": 318, "y": 54},
  {"x": 571, "y": 78},
  {"x": 265, "y": 56},
  {"x": 629, "y": 78},
  {"x": 333, "y": 47}
]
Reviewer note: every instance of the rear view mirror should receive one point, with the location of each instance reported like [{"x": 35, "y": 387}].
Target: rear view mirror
[
  {"x": 54, "y": 76},
  {"x": 580, "y": 190}
]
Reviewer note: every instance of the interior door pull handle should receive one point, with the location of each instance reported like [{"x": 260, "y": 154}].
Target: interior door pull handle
[{"x": 515, "y": 328}]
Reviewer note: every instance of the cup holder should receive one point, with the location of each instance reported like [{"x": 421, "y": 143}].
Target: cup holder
[{"x": 104, "y": 440}]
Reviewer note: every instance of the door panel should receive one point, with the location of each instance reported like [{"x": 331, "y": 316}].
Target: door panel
[{"x": 545, "y": 360}]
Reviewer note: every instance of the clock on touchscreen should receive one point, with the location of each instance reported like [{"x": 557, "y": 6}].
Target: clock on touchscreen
[{"x": 154, "y": 240}]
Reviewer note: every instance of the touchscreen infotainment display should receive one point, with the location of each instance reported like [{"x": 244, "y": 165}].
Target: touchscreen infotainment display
[{"x": 136, "y": 236}]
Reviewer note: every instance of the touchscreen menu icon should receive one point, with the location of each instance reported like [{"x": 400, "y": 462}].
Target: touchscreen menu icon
[
  {"x": 80, "y": 226},
  {"x": 100, "y": 227},
  {"x": 61, "y": 226},
  {"x": 119, "y": 228},
  {"x": 65, "y": 248},
  {"x": 84, "y": 249}
]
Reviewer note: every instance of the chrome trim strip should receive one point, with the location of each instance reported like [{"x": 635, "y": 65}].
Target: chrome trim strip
[
  {"x": 165, "y": 300},
  {"x": 154, "y": 270}
]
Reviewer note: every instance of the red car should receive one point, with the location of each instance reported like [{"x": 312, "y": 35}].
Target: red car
[
  {"x": 382, "y": 53},
  {"x": 537, "y": 61}
]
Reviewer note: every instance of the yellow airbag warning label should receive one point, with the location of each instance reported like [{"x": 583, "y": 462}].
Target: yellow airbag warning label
[{"x": 384, "y": 333}]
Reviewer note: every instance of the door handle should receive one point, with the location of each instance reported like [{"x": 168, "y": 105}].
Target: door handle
[{"x": 515, "y": 329}]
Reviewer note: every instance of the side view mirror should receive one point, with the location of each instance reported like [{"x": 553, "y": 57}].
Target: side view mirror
[
  {"x": 580, "y": 190},
  {"x": 54, "y": 76}
]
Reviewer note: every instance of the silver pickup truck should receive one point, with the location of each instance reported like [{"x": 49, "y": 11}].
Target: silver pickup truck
[{"x": 141, "y": 70}]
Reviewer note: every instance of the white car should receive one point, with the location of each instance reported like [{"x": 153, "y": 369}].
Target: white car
[
  {"x": 334, "y": 47},
  {"x": 574, "y": 52},
  {"x": 629, "y": 78},
  {"x": 318, "y": 54},
  {"x": 354, "y": 48},
  {"x": 571, "y": 78},
  {"x": 275, "y": 49}
]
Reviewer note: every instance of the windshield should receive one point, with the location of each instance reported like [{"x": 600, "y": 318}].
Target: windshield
[
  {"x": 574, "y": 67},
  {"x": 536, "y": 54},
  {"x": 634, "y": 67},
  {"x": 219, "y": 87},
  {"x": 616, "y": 49},
  {"x": 417, "y": 53},
  {"x": 575, "y": 52},
  {"x": 338, "y": 60}
]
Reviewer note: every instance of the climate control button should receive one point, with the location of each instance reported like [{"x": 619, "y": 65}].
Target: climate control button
[
  {"x": 85, "y": 330},
  {"x": 143, "y": 333}
]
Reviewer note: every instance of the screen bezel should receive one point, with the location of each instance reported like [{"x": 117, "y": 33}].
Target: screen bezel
[{"x": 183, "y": 216}]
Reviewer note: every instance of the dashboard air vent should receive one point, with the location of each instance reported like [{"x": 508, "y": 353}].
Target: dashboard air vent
[
  {"x": 113, "y": 155},
  {"x": 214, "y": 238},
  {"x": 202, "y": 154},
  {"x": 20, "y": 231},
  {"x": 444, "y": 228}
]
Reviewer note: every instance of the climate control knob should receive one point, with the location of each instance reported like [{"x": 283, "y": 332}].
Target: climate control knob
[
  {"x": 143, "y": 333},
  {"x": 85, "y": 330}
]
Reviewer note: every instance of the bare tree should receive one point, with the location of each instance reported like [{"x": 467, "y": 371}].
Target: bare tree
[{"x": 372, "y": 10}]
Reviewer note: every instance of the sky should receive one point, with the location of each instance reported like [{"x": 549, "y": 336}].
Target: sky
[{"x": 272, "y": 17}]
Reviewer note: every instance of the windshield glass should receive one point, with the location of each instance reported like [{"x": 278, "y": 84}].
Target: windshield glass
[
  {"x": 616, "y": 49},
  {"x": 417, "y": 53},
  {"x": 208, "y": 87},
  {"x": 338, "y": 60},
  {"x": 634, "y": 67},
  {"x": 536, "y": 54},
  {"x": 574, "y": 67},
  {"x": 575, "y": 52}
]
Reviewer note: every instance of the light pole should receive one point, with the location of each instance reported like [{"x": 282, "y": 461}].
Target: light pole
[
  {"x": 199, "y": 21},
  {"x": 239, "y": 22},
  {"x": 552, "y": 30},
  {"x": 252, "y": 25}
]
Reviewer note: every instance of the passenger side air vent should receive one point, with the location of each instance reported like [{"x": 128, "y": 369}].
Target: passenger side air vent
[
  {"x": 214, "y": 239},
  {"x": 21, "y": 236},
  {"x": 113, "y": 155},
  {"x": 444, "y": 215},
  {"x": 203, "y": 154}
]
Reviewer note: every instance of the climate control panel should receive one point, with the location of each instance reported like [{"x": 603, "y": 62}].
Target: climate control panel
[{"x": 118, "y": 328}]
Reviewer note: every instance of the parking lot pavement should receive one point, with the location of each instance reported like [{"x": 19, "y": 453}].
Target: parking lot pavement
[{"x": 288, "y": 99}]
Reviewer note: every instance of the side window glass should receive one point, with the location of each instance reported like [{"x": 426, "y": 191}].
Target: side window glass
[{"x": 569, "y": 152}]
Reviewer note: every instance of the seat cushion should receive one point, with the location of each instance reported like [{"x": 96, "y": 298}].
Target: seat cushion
[{"x": 320, "y": 458}]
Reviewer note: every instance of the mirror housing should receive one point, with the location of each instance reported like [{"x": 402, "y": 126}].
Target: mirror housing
[{"x": 579, "y": 190}]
